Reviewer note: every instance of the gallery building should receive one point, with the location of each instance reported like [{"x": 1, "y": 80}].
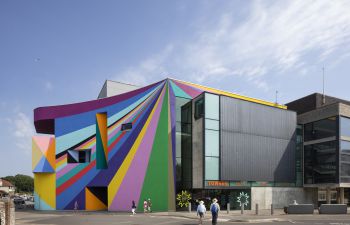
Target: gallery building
[
  {"x": 325, "y": 122},
  {"x": 135, "y": 143}
]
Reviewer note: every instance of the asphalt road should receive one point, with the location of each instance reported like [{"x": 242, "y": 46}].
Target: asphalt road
[{"x": 69, "y": 218}]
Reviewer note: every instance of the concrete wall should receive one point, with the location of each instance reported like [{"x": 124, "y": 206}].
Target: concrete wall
[
  {"x": 197, "y": 150},
  {"x": 281, "y": 196},
  {"x": 111, "y": 88}
]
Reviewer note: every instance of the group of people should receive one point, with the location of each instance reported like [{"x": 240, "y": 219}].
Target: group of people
[
  {"x": 147, "y": 204},
  {"x": 214, "y": 209}
]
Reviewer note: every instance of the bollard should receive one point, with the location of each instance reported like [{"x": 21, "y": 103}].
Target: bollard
[
  {"x": 189, "y": 207},
  {"x": 242, "y": 209},
  {"x": 257, "y": 209},
  {"x": 228, "y": 208},
  {"x": 271, "y": 209}
]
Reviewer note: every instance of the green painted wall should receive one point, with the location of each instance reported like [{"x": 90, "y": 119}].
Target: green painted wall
[{"x": 155, "y": 185}]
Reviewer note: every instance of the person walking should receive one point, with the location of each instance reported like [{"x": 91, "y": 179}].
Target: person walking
[
  {"x": 149, "y": 204},
  {"x": 201, "y": 210},
  {"x": 133, "y": 207},
  {"x": 76, "y": 206},
  {"x": 214, "y": 209},
  {"x": 145, "y": 206}
]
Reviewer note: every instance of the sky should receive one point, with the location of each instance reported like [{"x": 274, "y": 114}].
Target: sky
[{"x": 60, "y": 52}]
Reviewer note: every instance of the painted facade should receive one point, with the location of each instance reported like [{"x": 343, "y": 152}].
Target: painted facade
[{"x": 105, "y": 153}]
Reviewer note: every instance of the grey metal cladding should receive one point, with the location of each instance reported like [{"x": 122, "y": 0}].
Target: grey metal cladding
[{"x": 257, "y": 142}]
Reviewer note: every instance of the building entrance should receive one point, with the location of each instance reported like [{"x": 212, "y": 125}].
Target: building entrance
[{"x": 224, "y": 196}]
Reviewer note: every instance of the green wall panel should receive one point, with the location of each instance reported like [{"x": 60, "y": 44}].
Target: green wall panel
[{"x": 155, "y": 185}]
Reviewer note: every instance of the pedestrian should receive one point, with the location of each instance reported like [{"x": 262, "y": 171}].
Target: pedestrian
[
  {"x": 201, "y": 210},
  {"x": 149, "y": 204},
  {"x": 214, "y": 209},
  {"x": 145, "y": 206},
  {"x": 133, "y": 207},
  {"x": 76, "y": 206}
]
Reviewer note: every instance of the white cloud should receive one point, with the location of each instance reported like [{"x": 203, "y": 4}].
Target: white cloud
[
  {"x": 269, "y": 39},
  {"x": 23, "y": 130}
]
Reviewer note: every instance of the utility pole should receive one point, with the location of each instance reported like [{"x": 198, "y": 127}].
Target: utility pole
[{"x": 276, "y": 97}]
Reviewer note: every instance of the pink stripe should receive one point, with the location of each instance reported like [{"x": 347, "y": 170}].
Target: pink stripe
[
  {"x": 131, "y": 186},
  {"x": 65, "y": 170},
  {"x": 190, "y": 90}
]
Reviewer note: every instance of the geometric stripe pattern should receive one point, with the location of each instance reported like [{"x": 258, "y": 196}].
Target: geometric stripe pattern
[{"x": 121, "y": 165}]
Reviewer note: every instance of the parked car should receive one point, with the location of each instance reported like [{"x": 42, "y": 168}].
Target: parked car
[{"x": 18, "y": 201}]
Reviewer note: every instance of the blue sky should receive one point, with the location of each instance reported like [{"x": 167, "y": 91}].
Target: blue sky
[{"x": 58, "y": 52}]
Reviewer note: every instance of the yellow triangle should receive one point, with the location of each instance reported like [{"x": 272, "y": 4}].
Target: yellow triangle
[
  {"x": 36, "y": 154},
  {"x": 92, "y": 202}
]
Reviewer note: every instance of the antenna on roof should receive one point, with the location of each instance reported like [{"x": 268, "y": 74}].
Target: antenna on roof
[{"x": 324, "y": 96}]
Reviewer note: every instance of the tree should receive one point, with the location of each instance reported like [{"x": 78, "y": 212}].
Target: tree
[{"x": 23, "y": 183}]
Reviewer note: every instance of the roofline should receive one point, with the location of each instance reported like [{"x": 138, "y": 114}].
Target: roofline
[
  {"x": 238, "y": 96},
  {"x": 122, "y": 83}
]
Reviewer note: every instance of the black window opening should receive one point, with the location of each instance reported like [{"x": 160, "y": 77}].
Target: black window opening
[
  {"x": 199, "y": 108},
  {"x": 126, "y": 126},
  {"x": 79, "y": 156}
]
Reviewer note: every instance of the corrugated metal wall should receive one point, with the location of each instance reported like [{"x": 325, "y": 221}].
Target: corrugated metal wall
[{"x": 257, "y": 142}]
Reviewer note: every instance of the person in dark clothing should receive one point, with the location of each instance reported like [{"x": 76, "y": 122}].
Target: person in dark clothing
[
  {"x": 214, "y": 209},
  {"x": 133, "y": 207}
]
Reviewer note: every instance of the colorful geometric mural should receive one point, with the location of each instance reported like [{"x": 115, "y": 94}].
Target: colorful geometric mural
[
  {"x": 99, "y": 165},
  {"x": 43, "y": 154}
]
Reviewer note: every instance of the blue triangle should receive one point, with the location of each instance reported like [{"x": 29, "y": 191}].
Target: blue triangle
[
  {"x": 178, "y": 92},
  {"x": 47, "y": 168},
  {"x": 43, "y": 167}
]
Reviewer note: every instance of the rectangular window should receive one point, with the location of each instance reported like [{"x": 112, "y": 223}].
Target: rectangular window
[
  {"x": 211, "y": 124},
  {"x": 199, "y": 108},
  {"x": 320, "y": 163},
  {"x": 126, "y": 126},
  {"x": 344, "y": 126},
  {"x": 212, "y": 143},
  {"x": 212, "y": 106},
  {"x": 211, "y": 168},
  {"x": 345, "y": 146},
  {"x": 320, "y": 129},
  {"x": 79, "y": 156},
  {"x": 322, "y": 196}
]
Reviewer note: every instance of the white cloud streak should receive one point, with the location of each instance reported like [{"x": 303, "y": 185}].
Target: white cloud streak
[
  {"x": 23, "y": 130},
  {"x": 270, "y": 39}
]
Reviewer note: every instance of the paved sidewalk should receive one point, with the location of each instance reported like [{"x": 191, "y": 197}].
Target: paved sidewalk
[{"x": 264, "y": 216}]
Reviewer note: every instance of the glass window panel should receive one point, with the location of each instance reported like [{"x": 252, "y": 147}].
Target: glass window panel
[
  {"x": 345, "y": 126},
  {"x": 211, "y": 106},
  {"x": 345, "y": 158},
  {"x": 211, "y": 124},
  {"x": 211, "y": 168},
  {"x": 345, "y": 146},
  {"x": 178, "y": 169},
  {"x": 345, "y": 169},
  {"x": 320, "y": 129},
  {"x": 320, "y": 163},
  {"x": 178, "y": 144},
  {"x": 179, "y": 102},
  {"x": 211, "y": 143},
  {"x": 199, "y": 108}
]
